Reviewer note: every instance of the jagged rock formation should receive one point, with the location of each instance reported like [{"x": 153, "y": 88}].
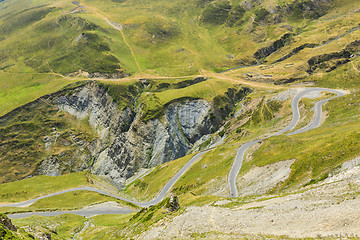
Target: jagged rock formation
[
  {"x": 117, "y": 141},
  {"x": 121, "y": 131},
  {"x": 267, "y": 51},
  {"x": 37, "y": 134},
  {"x": 330, "y": 61},
  {"x": 161, "y": 141},
  {"x": 6, "y": 222},
  {"x": 173, "y": 203}
]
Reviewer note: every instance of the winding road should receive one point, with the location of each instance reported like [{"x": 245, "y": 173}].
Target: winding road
[
  {"x": 295, "y": 119},
  {"x": 100, "y": 209}
]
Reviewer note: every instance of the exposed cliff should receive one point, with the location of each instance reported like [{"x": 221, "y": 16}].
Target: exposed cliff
[
  {"x": 132, "y": 143},
  {"x": 267, "y": 51},
  {"x": 37, "y": 138},
  {"x": 330, "y": 61},
  {"x": 117, "y": 141}
]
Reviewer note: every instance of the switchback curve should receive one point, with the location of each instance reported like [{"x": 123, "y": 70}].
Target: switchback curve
[{"x": 295, "y": 119}]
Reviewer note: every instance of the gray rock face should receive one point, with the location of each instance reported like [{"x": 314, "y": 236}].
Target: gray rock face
[
  {"x": 126, "y": 143},
  {"x": 155, "y": 142},
  {"x": 94, "y": 103},
  {"x": 50, "y": 167},
  {"x": 190, "y": 118},
  {"x": 173, "y": 203}
]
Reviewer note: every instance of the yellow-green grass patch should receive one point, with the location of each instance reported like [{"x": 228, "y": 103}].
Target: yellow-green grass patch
[
  {"x": 40, "y": 185},
  {"x": 65, "y": 225},
  {"x": 150, "y": 185}
]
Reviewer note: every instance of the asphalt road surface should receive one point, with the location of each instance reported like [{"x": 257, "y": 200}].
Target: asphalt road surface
[
  {"x": 295, "y": 119},
  {"x": 100, "y": 209},
  {"x": 97, "y": 210}
]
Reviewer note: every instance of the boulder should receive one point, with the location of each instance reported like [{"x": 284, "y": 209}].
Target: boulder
[{"x": 6, "y": 222}]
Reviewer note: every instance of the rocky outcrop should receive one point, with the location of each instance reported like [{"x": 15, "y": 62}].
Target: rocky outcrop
[
  {"x": 94, "y": 103},
  {"x": 161, "y": 140},
  {"x": 267, "y": 51},
  {"x": 173, "y": 203},
  {"x": 352, "y": 47},
  {"x": 97, "y": 127},
  {"x": 308, "y": 9},
  {"x": 295, "y": 51},
  {"x": 99, "y": 75},
  {"x": 127, "y": 143},
  {"x": 6, "y": 222},
  {"x": 330, "y": 61}
]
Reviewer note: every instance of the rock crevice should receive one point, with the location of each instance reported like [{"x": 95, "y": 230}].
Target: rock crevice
[{"x": 127, "y": 143}]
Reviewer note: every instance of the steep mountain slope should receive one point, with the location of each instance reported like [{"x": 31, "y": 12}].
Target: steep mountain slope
[
  {"x": 98, "y": 127},
  {"x": 121, "y": 94},
  {"x": 104, "y": 39}
]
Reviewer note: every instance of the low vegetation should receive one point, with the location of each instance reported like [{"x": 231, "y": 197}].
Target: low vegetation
[
  {"x": 130, "y": 225},
  {"x": 317, "y": 152},
  {"x": 58, "y": 227},
  {"x": 39, "y": 131},
  {"x": 147, "y": 187},
  {"x": 67, "y": 201},
  {"x": 36, "y": 186},
  {"x": 167, "y": 51},
  {"x": 154, "y": 102},
  {"x": 19, "y": 89},
  {"x": 209, "y": 174}
]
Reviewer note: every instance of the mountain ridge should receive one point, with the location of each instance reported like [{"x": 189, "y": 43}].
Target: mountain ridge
[{"x": 122, "y": 95}]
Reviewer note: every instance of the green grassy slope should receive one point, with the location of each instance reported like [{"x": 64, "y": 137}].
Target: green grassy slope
[
  {"x": 319, "y": 151},
  {"x": 58, "y": 227},
  {"x": 18, "y": 89},
  {"x": 150, "y": 185},
  {"x": 34, "y": 187},
  {"x": 45, "y": 45},
  {"x": 22, "y": 136},
  {"x": 174, "y": 38}
]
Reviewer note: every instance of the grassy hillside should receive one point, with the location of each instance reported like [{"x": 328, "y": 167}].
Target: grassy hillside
[
  {"x": 150, "y": 185},
  {"x": 103, "y": 38},
  {"x": 148, "y": 54},
  {"x": 23, "y": 133},
  {"x": 34, "y": 187},
  {"x": 18, "y": 89},
  {"x": 317, "y": 152},
  {"x": 58, "y": 227}
]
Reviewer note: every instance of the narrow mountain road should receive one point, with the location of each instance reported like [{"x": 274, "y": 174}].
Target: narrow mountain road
[
  {"x": 87, "y": 212},
  {"x": 86, "y": 225},
  {"x": 295, "y": 119},
  {"x": 98, "y": 209}
]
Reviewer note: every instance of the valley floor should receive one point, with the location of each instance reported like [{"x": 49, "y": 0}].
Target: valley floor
[{"x": 329, "y": 209}]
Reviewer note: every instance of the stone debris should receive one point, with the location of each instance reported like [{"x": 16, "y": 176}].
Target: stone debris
[{"x": 173, "y": 203}]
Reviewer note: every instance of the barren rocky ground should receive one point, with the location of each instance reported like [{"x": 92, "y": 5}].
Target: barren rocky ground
[{"x": 327, "y": 209}]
